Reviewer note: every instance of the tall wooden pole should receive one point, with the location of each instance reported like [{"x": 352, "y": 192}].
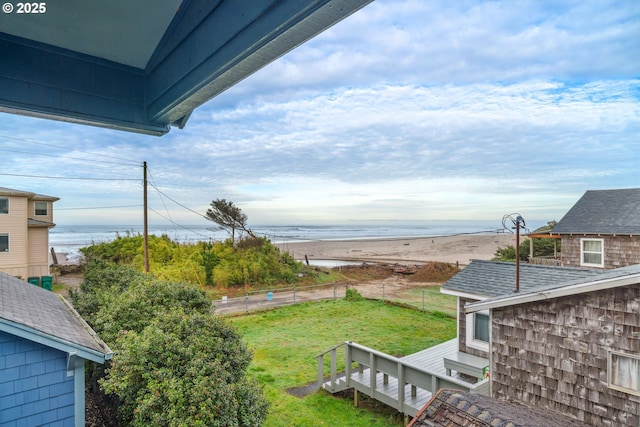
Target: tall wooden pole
[
  {"x": 146, "y": 220},
  {"x": 518, "y": 255}
]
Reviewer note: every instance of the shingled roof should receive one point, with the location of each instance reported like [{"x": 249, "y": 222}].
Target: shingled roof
[
  {"x": 42, "y": 316},
  {"x": 603, "y": 212},
  {"x": 455, "y": 408},
  {"x": 487, "y": 279}
]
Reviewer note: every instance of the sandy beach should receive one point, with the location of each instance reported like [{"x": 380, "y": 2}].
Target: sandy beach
[{"x": 460, "y": 248}]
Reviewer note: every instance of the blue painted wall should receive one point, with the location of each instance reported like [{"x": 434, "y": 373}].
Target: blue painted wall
[{"x": 34, "y": 387}]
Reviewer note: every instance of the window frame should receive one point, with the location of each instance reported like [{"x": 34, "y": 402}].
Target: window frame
[
  {"x": 622, "y": 388},
  {"x": 583, "y": 252},
  {"x": 8, "y": 241},
  {"x": 35, "y": 208},
  {"x": 472, "y": 341},
  {"x": 8, "y": 208}
]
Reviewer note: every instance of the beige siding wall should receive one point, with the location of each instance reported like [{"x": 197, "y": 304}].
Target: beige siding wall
[
  {"x": 553, "y": 354},
  {"x": 32, "y": 211},
  {"x": 15, "y": 261},
  {"x": 619, "y": 251},
  {"x": 38, "y": 251}
]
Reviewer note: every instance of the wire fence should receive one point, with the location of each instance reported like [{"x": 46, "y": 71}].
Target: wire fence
[{"x": 420, "y": 297}]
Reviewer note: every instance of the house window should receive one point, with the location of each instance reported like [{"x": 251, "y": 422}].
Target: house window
[
  {"x": 624, "y": 372},
  {"x": 4, "y": 205},
  {"x": 591, "y": 252},
  {"x": 4, "y": 243},
  {"x": 41, "y": 208},
  {"x": 478, "y": 330}
]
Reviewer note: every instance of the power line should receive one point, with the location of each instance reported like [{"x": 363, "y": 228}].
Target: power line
[
  {"x": 178, "y": 203},
  {"x": 176, "y": 224},
  {"x": 59, "y": 156},
  {"x": 100, "y": 207},
  {"x": 69, "y": 178},
  {"x": 68, "y": 149}
]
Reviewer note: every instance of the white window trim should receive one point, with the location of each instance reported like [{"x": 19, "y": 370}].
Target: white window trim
[
  {"x": 8, "y": 206},
  {"x": 610, "y": 371},
  {"x": 35, "y": 208},
  {"x": 471, "y": 341},
  {"x": 8, "y": 242},
  {"x": 582, "y": 252}
]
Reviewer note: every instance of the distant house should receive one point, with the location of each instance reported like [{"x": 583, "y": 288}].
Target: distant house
[
  {"x": 25, "y": 220},
  {"x": 602, "y": 230},
  {"x": 44, "y": 344},
  {"x": 572, "y": 347}
]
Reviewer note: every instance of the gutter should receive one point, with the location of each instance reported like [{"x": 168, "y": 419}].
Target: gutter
[{"x": 553, "y": 293}]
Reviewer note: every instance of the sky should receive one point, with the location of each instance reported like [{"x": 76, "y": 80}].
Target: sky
[{"x": 406, "y": 111}]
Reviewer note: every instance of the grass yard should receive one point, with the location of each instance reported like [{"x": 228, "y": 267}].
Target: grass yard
[
  {"x": 428, "y": 299},
  {"x": 285, "y": 342}
]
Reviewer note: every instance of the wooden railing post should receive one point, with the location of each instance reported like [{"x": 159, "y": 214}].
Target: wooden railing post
[
  {"x": 333, "y": 369},
  {"x": 401, "y": 383},
  {"x": 320, "y": 370},
  {"x": 373, "y": 371},
  {"x": 347, "y": 366}
]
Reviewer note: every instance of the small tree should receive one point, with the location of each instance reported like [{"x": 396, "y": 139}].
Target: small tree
[{"x": 229, "y": 217}]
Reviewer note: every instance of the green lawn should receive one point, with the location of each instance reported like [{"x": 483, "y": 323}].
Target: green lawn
[{"x": 285, "y": 342}]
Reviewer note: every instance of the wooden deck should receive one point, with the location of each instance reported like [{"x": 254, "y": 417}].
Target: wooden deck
[{"x": 422, "y": 374}]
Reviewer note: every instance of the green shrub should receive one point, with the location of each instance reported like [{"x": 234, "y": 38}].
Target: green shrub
[{"x": 352, "y": 294}]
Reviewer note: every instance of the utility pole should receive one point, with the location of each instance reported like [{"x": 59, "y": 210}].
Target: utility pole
[
  {"x": 518, "y": 223},
  {"x": 146, "y": 220}
]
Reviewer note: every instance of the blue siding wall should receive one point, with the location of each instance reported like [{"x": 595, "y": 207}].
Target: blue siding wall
[{"x": 34, "y": 387}]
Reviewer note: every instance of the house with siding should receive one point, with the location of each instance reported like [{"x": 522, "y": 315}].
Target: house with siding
[
  {"x": 602, "y": 230},
  {"x": 44, "y": 344},
  {"x": 572, "y": 347},
  {"x": 25, "y": 220}
]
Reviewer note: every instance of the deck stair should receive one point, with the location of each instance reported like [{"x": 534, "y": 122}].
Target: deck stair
[{"x": 377, "y": 375}]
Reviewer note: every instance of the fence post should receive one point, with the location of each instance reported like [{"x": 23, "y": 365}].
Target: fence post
[
  {"x": 334, "y": 291},
  {"x": 246, "y": 302},
  {"x": 422, "y": 299},
  {"x": 294, "y": 294},
  {"x": 383, "y": 292}
]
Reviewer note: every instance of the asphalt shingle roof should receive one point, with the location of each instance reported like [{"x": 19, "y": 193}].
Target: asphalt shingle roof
[
  {"x": 494, "y": 278},
  {"x": 455, "y": 408},
  {"x": 603, "y": 212},
  {"x": 44, "y": 311}
]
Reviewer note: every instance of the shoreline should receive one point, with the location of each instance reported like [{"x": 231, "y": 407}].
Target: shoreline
[{"x": 457, "y": 249}]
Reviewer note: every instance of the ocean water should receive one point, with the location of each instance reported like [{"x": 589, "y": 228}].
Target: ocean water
[{"x": 70, "y": 238}]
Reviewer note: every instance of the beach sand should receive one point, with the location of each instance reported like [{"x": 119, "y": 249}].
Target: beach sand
[{"x": 459, "y": 249}]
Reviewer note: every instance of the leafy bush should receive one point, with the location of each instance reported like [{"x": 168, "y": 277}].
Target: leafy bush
[
  {"x": 254, "y": 261},
  {"x": 175, "y": 362},
  {"x": 352, "y": 294},
  {"x": 185, "y": 369}
]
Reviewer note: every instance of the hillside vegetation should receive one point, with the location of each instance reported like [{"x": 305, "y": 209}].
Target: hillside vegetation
[{"x": 251, "y": 262}]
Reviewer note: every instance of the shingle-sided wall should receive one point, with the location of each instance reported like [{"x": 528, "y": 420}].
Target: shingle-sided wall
[
  {"x": 34, "y": 387},
  {"x": 619, "y": 251},
  {"x": 553, "y": 354}
]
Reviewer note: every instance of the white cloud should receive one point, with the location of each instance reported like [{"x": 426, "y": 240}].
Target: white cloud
[{"x": 406, "y": 110}]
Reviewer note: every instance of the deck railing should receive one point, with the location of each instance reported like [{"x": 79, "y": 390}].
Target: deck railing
[{"x": 389, "y": 366}]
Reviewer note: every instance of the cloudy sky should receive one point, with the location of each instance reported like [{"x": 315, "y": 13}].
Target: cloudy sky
[{"x": 407, "y": 110}]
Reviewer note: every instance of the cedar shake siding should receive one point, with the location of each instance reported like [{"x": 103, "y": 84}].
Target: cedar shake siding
[
  {"x": 619, "y": 251},
  {"x": 552, "y": 354}
]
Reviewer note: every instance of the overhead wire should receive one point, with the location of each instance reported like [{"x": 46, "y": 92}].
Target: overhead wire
[{"x": 30, "y": 141}]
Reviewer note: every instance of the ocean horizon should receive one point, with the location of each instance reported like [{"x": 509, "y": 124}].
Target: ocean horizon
[{"x": 69, "y": 239}]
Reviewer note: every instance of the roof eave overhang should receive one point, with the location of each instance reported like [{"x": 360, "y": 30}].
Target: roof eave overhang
[
  {"x": 581, "y": 288},
  {"x": 48, "y": 340},
  {"x": 462, "y": 294},
  {"x": 42, "y": 81}
]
